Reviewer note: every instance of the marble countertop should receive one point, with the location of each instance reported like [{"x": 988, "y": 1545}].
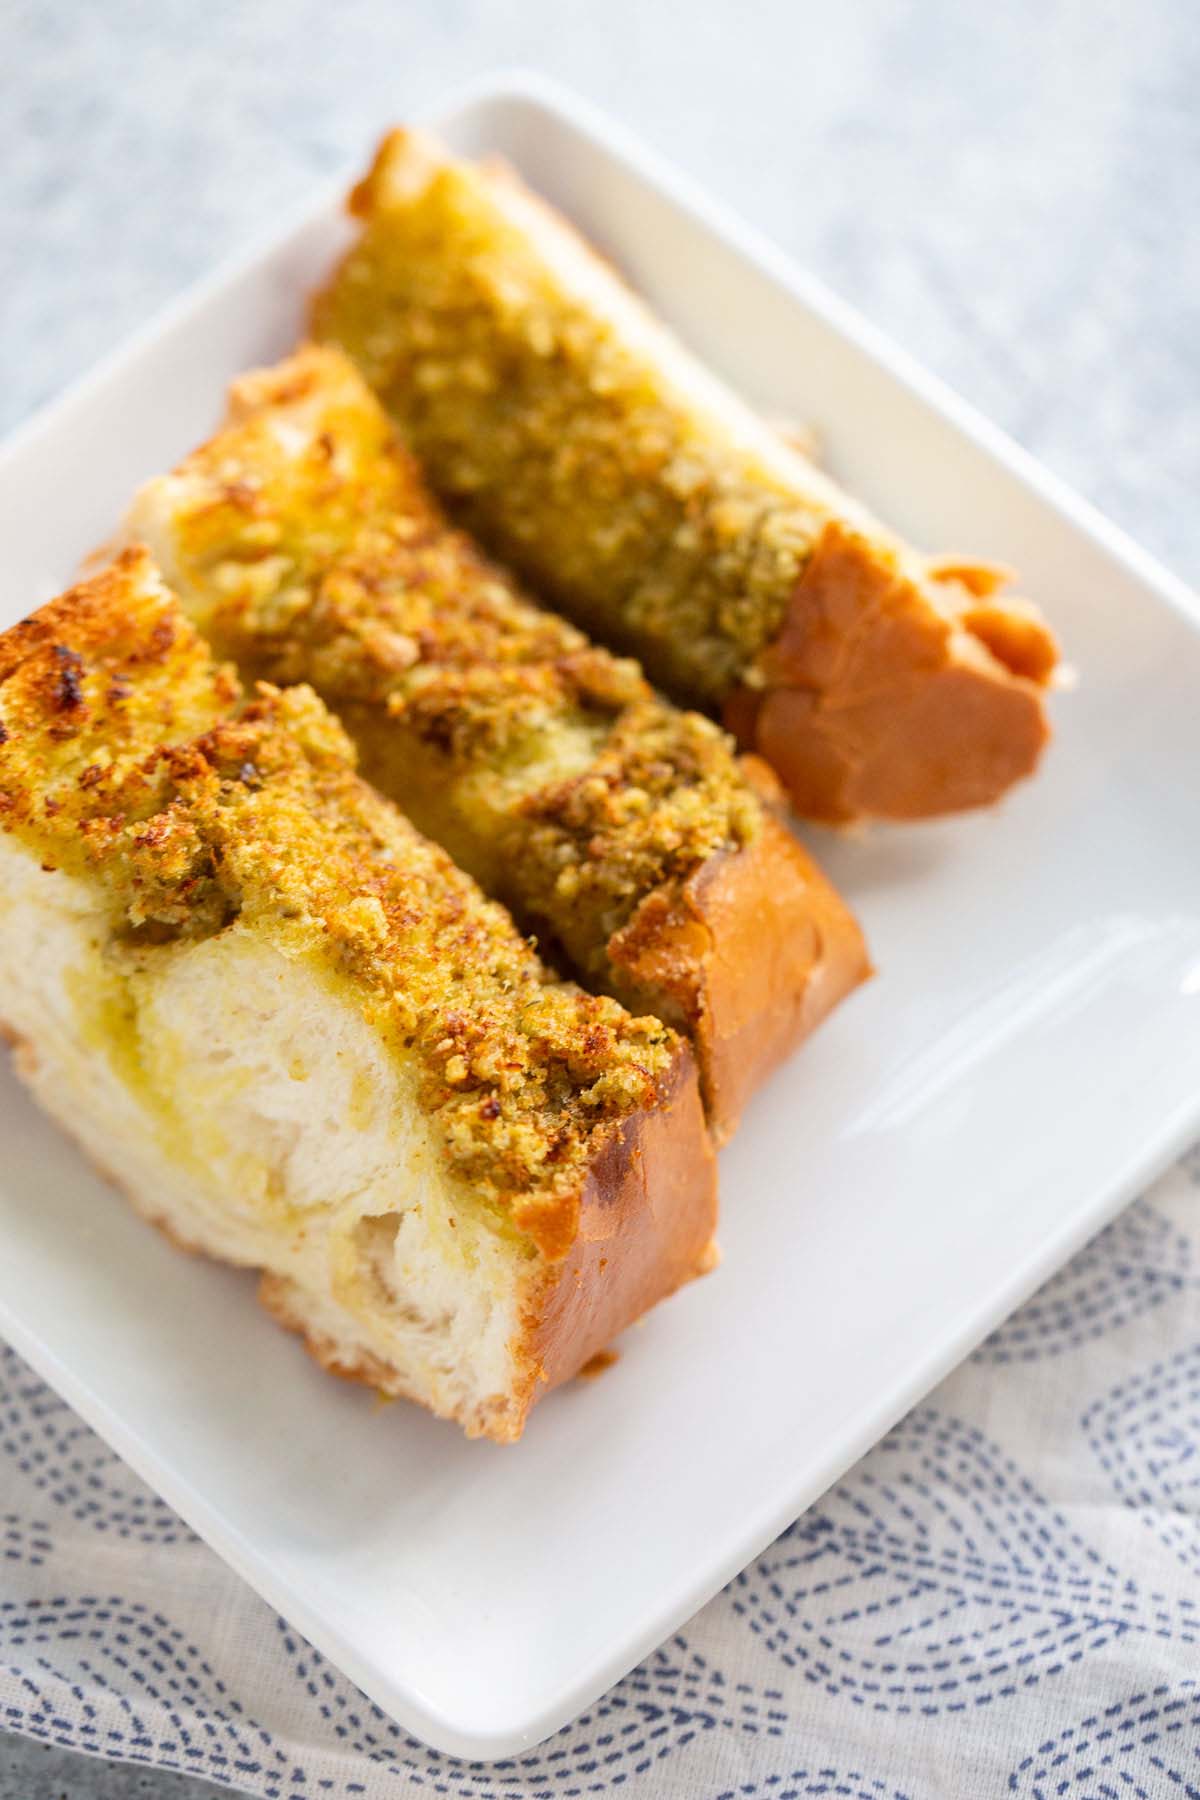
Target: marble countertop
[{"x": 1011, "y": 192}]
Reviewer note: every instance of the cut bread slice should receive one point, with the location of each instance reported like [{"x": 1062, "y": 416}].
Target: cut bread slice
[
  {"x": 581, "y": 442},
  {"x": 301, "y": 1039},
  {"x": 625, "y": 832}
]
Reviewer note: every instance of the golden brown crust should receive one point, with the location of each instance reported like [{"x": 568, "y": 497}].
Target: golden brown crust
[
  {"x": 304, "y": 540},
  {"x": 111, "y": 665},
  {"x": 755, "y": 949},
  {"x": 645, "y": 1227},
  {"x": 870, "y": 703},
  {"x": 576, "y": 1129},
  {"x": 582, "y": 443},
  {"x": 261, "y": 818},
  {"x": 1016, "y": 635}
]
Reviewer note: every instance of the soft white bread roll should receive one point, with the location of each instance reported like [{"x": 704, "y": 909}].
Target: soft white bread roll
[
  {"x": 301, "y": 1039},
  {"x": 582, "y": 442}
]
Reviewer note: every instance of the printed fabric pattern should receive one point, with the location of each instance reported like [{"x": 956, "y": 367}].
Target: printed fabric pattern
[{"x": 1002, "y": 1598}]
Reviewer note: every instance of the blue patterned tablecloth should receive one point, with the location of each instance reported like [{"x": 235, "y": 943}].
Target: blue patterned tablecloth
[{"x": 1002, "y": 1598}]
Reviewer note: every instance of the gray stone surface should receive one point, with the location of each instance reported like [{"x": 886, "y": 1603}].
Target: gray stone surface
[
  {"x": 35, "y": 1772},
  {"x": 1011, "y": 191}
]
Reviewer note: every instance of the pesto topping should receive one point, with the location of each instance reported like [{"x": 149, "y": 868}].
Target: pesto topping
[
  {"x": 308, "y": 548},
  {"x": 151, "y": 776},
  {"x": 559, "y": 441}
]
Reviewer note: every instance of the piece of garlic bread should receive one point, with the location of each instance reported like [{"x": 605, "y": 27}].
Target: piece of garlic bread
[
  {"x": 302, "y": 1040},
  {"x": 624, "y": 831},
  {"x": 587, "y": 447}
]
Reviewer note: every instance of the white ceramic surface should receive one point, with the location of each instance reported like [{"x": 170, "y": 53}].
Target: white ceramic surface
[{"x": 1029, "y": 1055}]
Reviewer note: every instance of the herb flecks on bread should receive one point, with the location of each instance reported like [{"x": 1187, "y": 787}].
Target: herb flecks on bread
[
  {"x": 586, "y": 446},
  {"x": 194, "y": 847},
  {"x": 307, "y": 546}
]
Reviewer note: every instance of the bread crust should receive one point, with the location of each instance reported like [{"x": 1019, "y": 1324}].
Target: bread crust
[
  {"x": 916, "y": 716},
  {"x": 651, "y": 861},
  {"x": 646, "y": 1224},
  {"x": 132, "y": 766},
  {"x": 754, "y": 950},
  {"x": 652, "y": 504},
  {"x": 646, "y": 1219}
]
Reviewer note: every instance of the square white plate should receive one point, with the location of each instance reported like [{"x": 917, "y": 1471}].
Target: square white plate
[{"x": 1029, "y": 1054}]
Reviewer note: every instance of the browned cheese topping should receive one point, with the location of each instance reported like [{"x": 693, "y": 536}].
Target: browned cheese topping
[
  {"x": 583, "y": 443},
  {"x": 129, "y": 758},
  {"x": 307, "y": 547},
  {"x": 556, "y": 439}
]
